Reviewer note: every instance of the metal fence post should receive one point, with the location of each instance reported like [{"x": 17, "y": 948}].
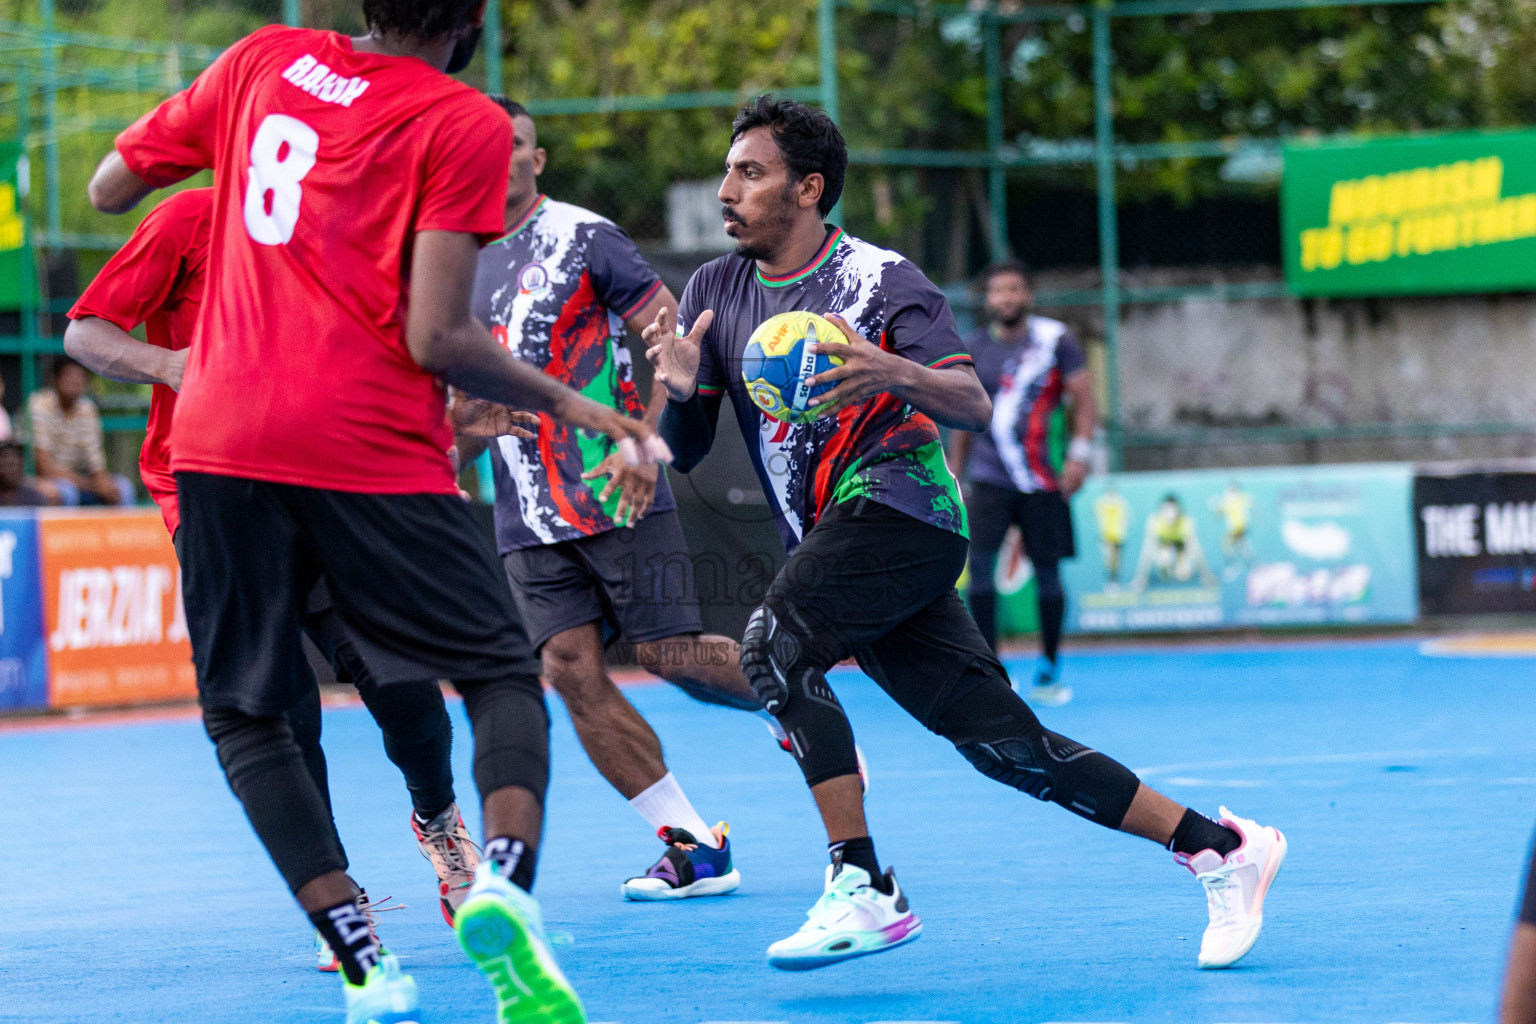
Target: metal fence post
[
  {"x": 493, "y": 47},
  {"x": 28, "y": 359},
  {"x": 997, "y": 176},
  {"x": 826, "y": 46},
  {"x": 291, "y": 13},
  {"x": 1109, "y": 236},
  {"x": 51, "y": 125}
]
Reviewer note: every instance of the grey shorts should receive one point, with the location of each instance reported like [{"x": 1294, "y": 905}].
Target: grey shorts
[{"x": 638, "y": 582}]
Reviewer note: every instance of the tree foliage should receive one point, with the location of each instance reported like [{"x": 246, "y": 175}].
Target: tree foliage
[{"x": 906, "y": 81}]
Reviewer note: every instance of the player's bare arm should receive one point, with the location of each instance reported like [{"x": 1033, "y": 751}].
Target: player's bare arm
[
  {"x": 676, "y": 359},
  {"x": 114, "y": 188},
  {"x": 1085, "y": 418},
  {"x": 951, "y": 395},
  {"x": 636, "y": 485},
  {"x": 446, "y": 340},
  {"x": 109, "y": 350}
]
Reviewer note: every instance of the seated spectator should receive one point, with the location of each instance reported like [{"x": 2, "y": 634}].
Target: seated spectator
[
  {"x": 5, "y": 417},
  {"x": 68, "y": 443},
  {"x": 15, "y": 488}
]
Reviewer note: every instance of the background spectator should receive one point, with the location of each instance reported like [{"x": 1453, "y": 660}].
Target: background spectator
[
  {"x": 15, "y": 488},
  {"x": 5, "y": 417},
  {"x": 68, "y": 443}
]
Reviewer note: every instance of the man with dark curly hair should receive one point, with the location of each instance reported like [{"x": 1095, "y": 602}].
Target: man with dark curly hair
[{"x": 354, "y": 185}]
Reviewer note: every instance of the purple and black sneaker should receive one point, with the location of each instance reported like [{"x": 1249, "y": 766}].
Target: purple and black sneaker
[{"x": 688, "y": 868}]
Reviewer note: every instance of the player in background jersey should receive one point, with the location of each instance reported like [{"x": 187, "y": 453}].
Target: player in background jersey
[
  {"x": 157, "y": 280},
  {"x": 592, "y": 546},
  {"x": 310, "y": 440},
  {"x": 1028, "y": 364},
  {"x": 877, "y": 538}
]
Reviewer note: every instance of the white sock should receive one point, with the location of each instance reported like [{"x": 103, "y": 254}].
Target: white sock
[
  {"x": 773, "y": 726},
  {"x": 665, "y": 805}
]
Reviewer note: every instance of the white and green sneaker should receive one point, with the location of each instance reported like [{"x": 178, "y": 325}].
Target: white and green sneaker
[
  {"x": 502, "y": 929},
  {"x": 386, "y": 996},
  {"x": 852, "y": 918}
]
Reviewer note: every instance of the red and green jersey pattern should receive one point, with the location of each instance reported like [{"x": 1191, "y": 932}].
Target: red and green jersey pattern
[
  {"x": 556, "y": 290},
  {"x": 881, "y": 449}
]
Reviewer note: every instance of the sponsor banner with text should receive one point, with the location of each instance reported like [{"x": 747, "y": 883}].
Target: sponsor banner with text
[
  {"x": 1417, "y": 215},
  {"x": 1476, "y": 541},
  {"x": 1211, "y": 549},
  {"x": 111, "y": 598}
]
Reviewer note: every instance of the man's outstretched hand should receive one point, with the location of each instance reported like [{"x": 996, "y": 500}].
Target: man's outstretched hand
[{"x": 675, "y": 359}]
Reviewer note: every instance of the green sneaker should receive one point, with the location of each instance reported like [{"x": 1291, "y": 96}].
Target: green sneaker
[
  {"x": 502, "y": 930},
  {"x": 386, "y": 996}
]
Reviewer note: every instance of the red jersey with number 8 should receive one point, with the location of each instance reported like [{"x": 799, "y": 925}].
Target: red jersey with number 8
[{"x": 326, "y": 162}]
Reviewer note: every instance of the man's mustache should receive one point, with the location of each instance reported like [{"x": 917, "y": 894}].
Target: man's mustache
[{"x": 730, "y": 214}]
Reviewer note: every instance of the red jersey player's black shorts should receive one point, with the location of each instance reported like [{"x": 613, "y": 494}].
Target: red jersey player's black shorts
[{"x": 413, "y": 577}]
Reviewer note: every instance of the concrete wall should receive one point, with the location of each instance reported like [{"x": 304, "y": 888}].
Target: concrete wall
[{"x": 1451, "y": 360}]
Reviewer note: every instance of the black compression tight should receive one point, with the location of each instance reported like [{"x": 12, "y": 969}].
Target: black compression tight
[
  {"x": 418, "y": 734},
  {"x": 1051, "y": 599},
  {"x": 290, "y": 812},
  {"x": 267, "y": 773},
  {"x": 1001, "y": 737},
  {"x": 979, "y": 713}
]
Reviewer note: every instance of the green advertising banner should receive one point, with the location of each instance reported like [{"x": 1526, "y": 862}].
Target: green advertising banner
[
  {"x": 17, "y": 271},
  {"x": 1422, "y": 216}
]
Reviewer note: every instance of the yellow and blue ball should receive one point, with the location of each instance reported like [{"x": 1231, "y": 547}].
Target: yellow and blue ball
[{"x": 778, "y": 364}]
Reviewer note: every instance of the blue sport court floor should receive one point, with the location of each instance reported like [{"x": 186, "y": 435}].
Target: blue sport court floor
[{"x": 132, "y": 890}]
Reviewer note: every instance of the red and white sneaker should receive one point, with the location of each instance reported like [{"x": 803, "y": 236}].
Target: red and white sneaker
[
  {"x": 325, "y": 957},
  {"x": 445, "y": 842},
  {"x": 1235, "y": 887}
]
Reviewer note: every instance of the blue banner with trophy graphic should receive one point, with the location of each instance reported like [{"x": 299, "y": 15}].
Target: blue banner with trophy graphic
[{"x": 1211, "y": 549}]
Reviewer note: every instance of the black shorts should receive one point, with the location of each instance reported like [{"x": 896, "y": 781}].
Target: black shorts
[
  {"x": 1044, "y": 520},
  {"x": 878, "y": 585},
  {"x": 636, "y": 581},
  {"x": 412, "y": 577}
]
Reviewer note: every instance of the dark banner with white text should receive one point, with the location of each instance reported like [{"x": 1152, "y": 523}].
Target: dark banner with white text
[{"x": 1476, "y": 542}]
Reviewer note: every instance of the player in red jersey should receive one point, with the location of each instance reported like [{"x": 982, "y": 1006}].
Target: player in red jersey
[
  {"x": 157, "y": 280},
  {"x": 354, "y": 184}
]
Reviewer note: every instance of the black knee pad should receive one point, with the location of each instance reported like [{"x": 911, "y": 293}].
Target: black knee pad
[
  {"x": 768, "y": 654},
  {"x": 511, "y": 727},
  {"x": 248, "y": 744},
  {"x": 795, "y": 691},
  {"x": 266, "y": 771},
  {"x": 1001, "y": 738}
]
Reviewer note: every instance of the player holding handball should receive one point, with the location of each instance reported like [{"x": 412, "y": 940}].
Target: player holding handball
[{"x": 876, "y": 534}]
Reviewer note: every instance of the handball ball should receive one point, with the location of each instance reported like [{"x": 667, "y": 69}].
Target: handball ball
[{"x": 778, "y": 364}]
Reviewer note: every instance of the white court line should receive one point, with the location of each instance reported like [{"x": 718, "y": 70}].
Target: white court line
[{"x": 1186, "y": 780}]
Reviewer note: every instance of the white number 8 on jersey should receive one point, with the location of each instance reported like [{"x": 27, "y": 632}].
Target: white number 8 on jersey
[{"x": 281, "y": 154}]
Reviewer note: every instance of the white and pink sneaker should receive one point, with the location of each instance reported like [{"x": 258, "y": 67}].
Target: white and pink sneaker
[
  {"x": 851, "y": 919},
  {"x": 1235, "y": 887}
]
